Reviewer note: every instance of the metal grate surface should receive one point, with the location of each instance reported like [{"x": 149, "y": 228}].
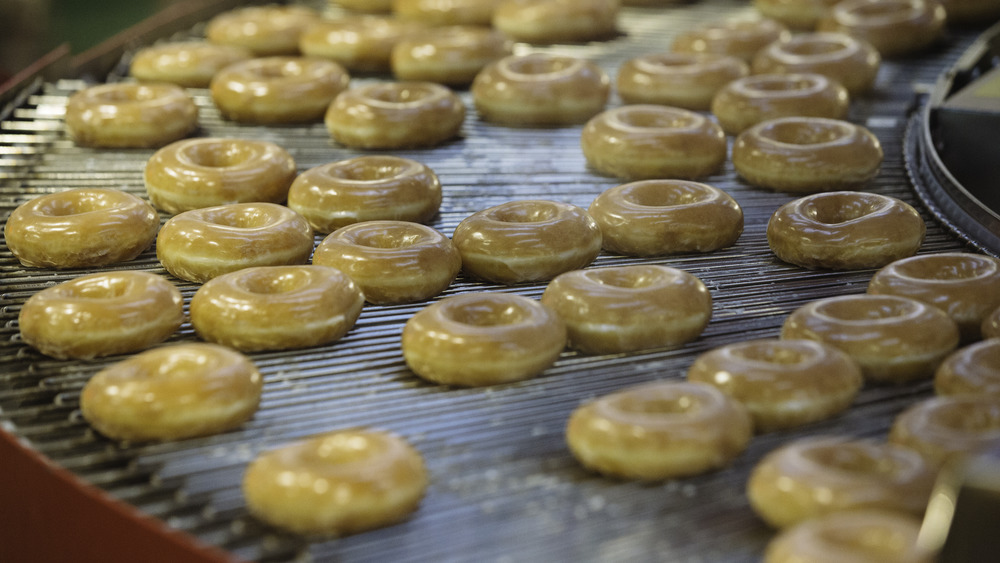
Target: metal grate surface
[{"x": 504, "y": 486}]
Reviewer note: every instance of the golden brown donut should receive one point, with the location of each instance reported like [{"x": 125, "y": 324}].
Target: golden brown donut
[
  {"x": 656, "y": 217},
  {"x": 446, "y": 12},
  {"x": 365, "y": 188},
  {"x": 341, "y": 483},
  {"x": 476, "y": 339},
  {"x": 783, "y": 383},
  {"x": 191, "y": 64},
  {"x": 264, "y": 30},
  {"x": 527, "y": 241},
  {"x": 556, "y": 21},
  {"x": 748, "y": 101},
  {"x": 276, "y": 307},
  {"x": 205, "y": 172},
  {"x": 741, "y": 37},
  {"x": 629, "y": 308},
  {"x": 359, "y": 43},
  {"x": 852, "y": 62},
  {"x": 972, "y": 370},
  {"x": 807, "y": 154},
  {"x": 799, "y": 15},
  {"x": 392, "y": 261},
  {"x": 893, "y": 339},
  {"x": 660, "y": 430},
  {"x": 650, "y": 141},
  {"x": 278, "y": 89},
  {"x": 845, "y": 231},
  {"x": 395, "y": 115},
  {"x": 451, "y": 55},
  {"x": 80, "y": 228},
  {"x": 540, "y": 89},
  {"x": 130, "y": 115},
  {"x": 684, "y": 80},
  {"x": 868, "y": 536},
  {"x": 173, "y": 393},
  {"x": 893, "y": 27},
  {"x": 812, "y": 477},
  {"x": 966, "y": 286},
  {"x": 101, "y": 315},
  {"x": 949, "y": 429},
  {"x": 201, "y": 244}
]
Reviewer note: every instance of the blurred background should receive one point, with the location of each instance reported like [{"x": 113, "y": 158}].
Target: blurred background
[{"x": 31, "y": 28}]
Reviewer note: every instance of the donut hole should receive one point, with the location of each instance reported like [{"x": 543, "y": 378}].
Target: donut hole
[
  {"x": 780, "y": 84},
  {"x": 241, "y": 218},
  {"x": 536, "y": 66},
  {"x": 103, "y": 287},
  {"x": 814, "y": 47},
  {"x": 772, "y": 354},
  {"x": 883, "y": 11},
  {"x": 524, "y": 212},
  {"x": 120, "y": 95},
  {"x": 400, "y": 93},
  {"x": 797, "y": 132},
  {"x": 367, "y": 170},
  {"x": 625, "y": 278},
  {"x": 382, "y": 239},
  {"x": 850, "y": 458},
  {"x": 875, "y": 541},
  {"x": 270, "y": 282},
  {"x": 668, "y": 62},
  {"x": 217, "y": 155},
  {"x": 657, "y": 118},
  {"x": 662, "y": 194},
  {"x": 838, "y": 210},
  {"x": 486, "y": 313},
  {"x": 945, "y": 268},
  {"x": 657, "y": 406},
  {"x": 867, "y": 309},
  {"x": 68, "y": 206}
]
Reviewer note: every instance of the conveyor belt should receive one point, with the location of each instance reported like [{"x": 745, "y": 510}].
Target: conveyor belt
[{"x": 503, "y": 485}]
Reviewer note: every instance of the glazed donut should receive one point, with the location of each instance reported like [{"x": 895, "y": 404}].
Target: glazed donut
[
  {"x": 527, "y": 241},
  {"x": 650, "y": 141},
  {"x": 852, "y": 62},
  {"x": 365, "y": 188},
  {"x": 101, "y": 314},
  {"x": 205, "y": 172},
  {"x": 277, "y": 89},
  {"x": 783, "y": 383},
  {"x": 451, "y": 55},
  {"x": 812, "y": 477},
  {"x": 807, "y": 154},
  {"x": 191, "y": 64},
  {"x": 845, "y": 231},
  {"x": 392, "y": 261},
  {"x": 446, "y": 12},
  {"x": 893, "y": 27},
  {"x": 540, "y": 90},
  {"x": 893, "y": 339},
  {"x": 660, "y": 430},
  {"x": 201, "y": 244},
  {"x": 740, "y": 37},
  {"x": 126, "y": 115},
  {"x": 972, "y": 370},
  {"x": 965, "y": 286},
  {"x": 264, "y": 30},
  {"x": 395, "y": 115},
  {"x": 683, "y": 80},
  {"x": 991, "y": 325},
  {"x": 851, "y": 535},
  {"x": 360, "y": 44},
  {"x": 344, "y": 482},
  {"x": 629, "y": 308},
  {"x": 949, "y": 429},
  {"x": 556, "y": 21},
  {"x": 80, "y": 228},
  {"x": 172, "y": 393},
  {"x": 276, "y": 307},
  {"x": 799, "y": 15},
  {"x": 748, "y": 101},
  {"x": 477, "y": 339},
  {"x": 657, "y": 217}
]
